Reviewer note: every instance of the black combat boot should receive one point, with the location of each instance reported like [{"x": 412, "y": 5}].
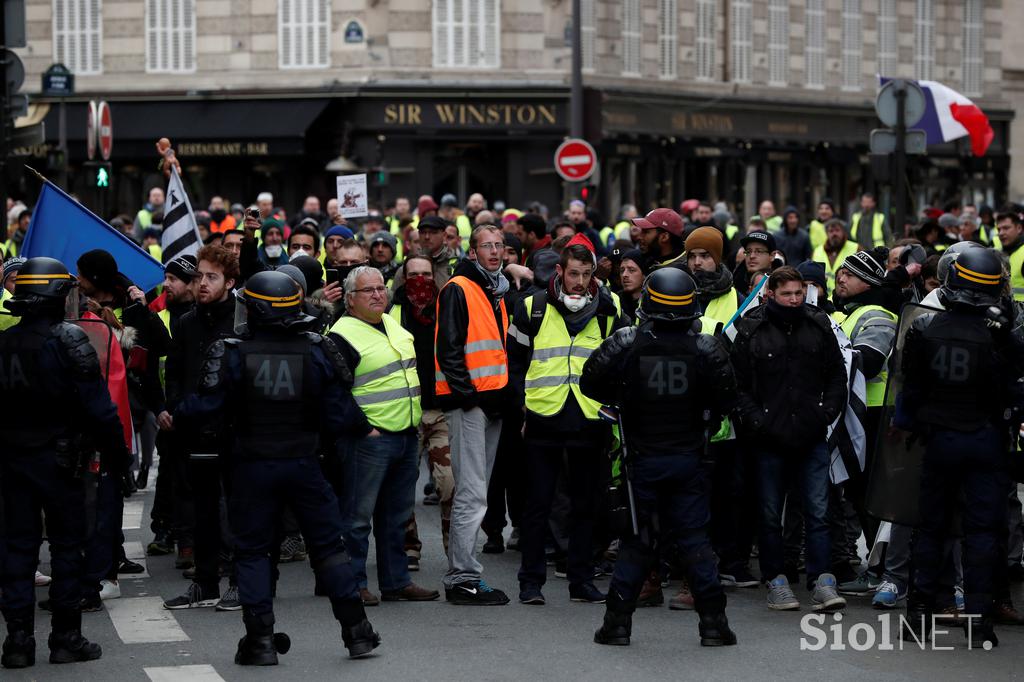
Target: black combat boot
[
  {"x": 714, "y": 630},
  {"x": 261, "y": 645},
  {"x": 20, "y": 646},
  {"x": 66, "y": 642},
  {"x": 918, "y": 625},
  {"x": 356, "y": 632},
  {"x": 618, "y": 622},
  {"x": 980, "y": 633}
]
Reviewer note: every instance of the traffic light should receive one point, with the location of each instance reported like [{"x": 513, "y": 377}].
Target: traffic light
[{"x": 98, "y": 174}]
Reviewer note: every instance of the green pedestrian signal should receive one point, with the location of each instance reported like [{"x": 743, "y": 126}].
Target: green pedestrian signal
[{"x": 102, "y": 177}]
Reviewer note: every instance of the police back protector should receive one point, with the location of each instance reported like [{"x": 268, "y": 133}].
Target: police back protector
[
  {"x": 660, "y": 405},
  {"x": 33, "y": 414},
  {"x": 278, "y": 415}
]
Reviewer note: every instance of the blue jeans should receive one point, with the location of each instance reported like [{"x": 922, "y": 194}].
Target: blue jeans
[
  {"x": 379, "y": 491},
  {"x": 809, "y": 471}
]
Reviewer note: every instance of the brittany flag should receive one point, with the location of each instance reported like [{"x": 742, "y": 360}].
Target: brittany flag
[{"x": 949, "y": 116}]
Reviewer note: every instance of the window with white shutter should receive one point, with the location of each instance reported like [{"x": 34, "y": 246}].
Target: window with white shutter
[
  {"x": 170, "y": 36},
  {"x": 303, "y": 34},
  {"x": 924, "y": 39},
  {"x": 705, "y": 52},
  {"x": 778, "y": 42},
  {"x": 78, "y": 35},
  {"x": 467, "y": 34},
  {"x": 588, "y": 33},
  {"x": 973, "y": 47},
  {"x": 631, "y": 37},
  {"x": 814, "y": 44},
  {"x": 741, "y": 26},
  {"x": 852, "y": 42},
  {"x": 668, "y": 38},
  {"x": 888, "y": 52}
]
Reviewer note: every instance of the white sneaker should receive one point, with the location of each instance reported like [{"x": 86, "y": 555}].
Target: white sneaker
[
  {"x": 109, "y": 589},
  {"x": 42, "y": 580}
]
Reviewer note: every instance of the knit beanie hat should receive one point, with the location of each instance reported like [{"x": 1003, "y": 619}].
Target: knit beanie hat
[
  {"x": 707, "y": 238},
  {"x": 868, "y": 265}
]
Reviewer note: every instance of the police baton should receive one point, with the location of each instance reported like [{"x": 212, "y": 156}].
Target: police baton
[{"x": 612, "y": 414}]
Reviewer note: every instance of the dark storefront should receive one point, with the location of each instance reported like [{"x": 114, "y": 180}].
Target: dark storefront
[
  {"x": 654, "y": 150},
  {"x": 659, "y": 151}
]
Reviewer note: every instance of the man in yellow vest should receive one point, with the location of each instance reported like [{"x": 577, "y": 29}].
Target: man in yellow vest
[
  {"x": 766, "y": 212},
  {"x": 865, "y": 306},
  {"x": 714, "y": 282},
  {"x": 382, "y": 464},
  {"x": 471, "y": 374},
  {"x": 1011, "y": 238},
  {"x": 12, "y": 246},
  {"x": 816, "y": 228},
  {"x": 8, "y": 271},
  {"x": 834, "y": 251},
  {"x": 868, "y": 227},
  {"x": 551, "y": 336}
]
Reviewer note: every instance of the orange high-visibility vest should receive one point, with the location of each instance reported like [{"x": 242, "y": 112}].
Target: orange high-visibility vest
[{"x": 486, "y": 358}]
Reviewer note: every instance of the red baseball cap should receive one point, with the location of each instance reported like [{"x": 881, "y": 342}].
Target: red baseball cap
[
  {"x": 663, "y": 218},
  {"x": 689, "y": 206}
]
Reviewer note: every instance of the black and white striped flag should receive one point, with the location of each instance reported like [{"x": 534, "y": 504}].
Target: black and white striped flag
[
  {"x": 181, "y": 234},
  {"x": 847, "y": 440}
]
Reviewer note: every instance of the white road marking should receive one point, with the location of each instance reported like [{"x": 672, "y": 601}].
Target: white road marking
[
  {"x": 144, "y": 620},
  {"x": 132, "y": 517},
  {"x": 184, "y": 673}
]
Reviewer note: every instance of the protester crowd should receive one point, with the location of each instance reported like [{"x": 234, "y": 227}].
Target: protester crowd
[{"x": 463, "y": 336}]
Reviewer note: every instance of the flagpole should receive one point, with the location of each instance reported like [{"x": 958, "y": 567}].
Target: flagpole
[{"x": 37, "y": 173}]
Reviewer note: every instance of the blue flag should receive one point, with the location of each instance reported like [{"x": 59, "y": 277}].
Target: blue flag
[{"x": 62, "y": 228}]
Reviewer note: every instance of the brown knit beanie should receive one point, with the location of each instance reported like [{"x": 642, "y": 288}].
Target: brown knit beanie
[{"x": 707, "y": 238}]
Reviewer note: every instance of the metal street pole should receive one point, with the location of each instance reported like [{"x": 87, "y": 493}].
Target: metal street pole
[
  {"x": 576, "y": 84},
  {"x": 899, "y": 217},
  {"x": 5, "y": 130}
]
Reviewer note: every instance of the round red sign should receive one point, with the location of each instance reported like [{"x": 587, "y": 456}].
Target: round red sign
[
  {"x": 575, "y": 160},
  {"x": 106, "y": 131}
]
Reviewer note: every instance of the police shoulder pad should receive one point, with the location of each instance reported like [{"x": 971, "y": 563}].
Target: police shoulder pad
[{"x": 76, "y": 343}]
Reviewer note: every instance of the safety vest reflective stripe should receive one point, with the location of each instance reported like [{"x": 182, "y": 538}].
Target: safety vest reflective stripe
[
  {"x": 1016, "y": 278},
  {"x": 557, "y": 363},
  {"x": 877, "y": 234},
  {"x": 486, "y": 359},
  {"x": 385, "y": 386},
  {"x": 851, "y": 326},
  {"x": 385, "y": 396}
]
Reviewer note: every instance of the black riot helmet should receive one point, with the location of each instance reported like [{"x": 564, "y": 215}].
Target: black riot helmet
[
  {"x": 41, "y": 287},
  {"x": 669, "y": 295},
  {"x": 975, "y": 279},
  {"x": 271, "y": 299}
]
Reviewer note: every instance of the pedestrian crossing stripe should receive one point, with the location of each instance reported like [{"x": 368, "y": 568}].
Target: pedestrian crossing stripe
[{"x": 183, "y": 673}]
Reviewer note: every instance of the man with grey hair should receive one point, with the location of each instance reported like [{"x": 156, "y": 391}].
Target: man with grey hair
[
  {"x": 380, "y": 460},
  {"x": 471, "y": 367},
  {"x": 265, "y": 203}
]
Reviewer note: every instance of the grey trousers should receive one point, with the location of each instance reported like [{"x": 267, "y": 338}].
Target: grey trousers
[{"x": 474, "y": 444}]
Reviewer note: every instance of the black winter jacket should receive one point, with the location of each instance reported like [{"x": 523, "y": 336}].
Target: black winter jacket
[
  {"x": 195, "y": 331},
  {"x": 791, "y": 378}
]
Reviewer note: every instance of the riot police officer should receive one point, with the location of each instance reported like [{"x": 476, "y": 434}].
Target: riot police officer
[
  {"x": 277, "y": 389},
  {"x": 959, "y": 367},
  {"x": 52, "y": 391},
  {"x": 671, "y": 382}
]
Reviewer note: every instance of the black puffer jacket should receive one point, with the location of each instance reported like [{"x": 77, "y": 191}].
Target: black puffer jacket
[
  {"x": 790, "y": 376},
  {"x": 452, "y": 323},
  {"x": 194, "y": 333}
]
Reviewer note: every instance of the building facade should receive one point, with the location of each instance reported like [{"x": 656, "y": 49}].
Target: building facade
[{"x": 732, "y": 100}]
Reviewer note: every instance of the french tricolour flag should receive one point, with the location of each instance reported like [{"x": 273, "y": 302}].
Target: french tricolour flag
[{"x": 949, "y": 116}]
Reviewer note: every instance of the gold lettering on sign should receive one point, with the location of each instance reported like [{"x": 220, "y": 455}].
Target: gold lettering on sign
[
  {"x": 223, "y": 148},
  {"x": 715, "y": 123},
  {"x": 451, "y": 114},
  {"x": 787, "y": 128}
]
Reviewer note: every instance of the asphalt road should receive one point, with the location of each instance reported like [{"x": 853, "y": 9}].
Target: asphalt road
[{"x": 438, "y": 641}]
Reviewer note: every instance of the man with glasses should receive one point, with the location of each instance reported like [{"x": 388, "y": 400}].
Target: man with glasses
[
  {"x": 758, "y": 249},
  {"x": 471, "y": 368},
  {"x": 381, "y": 459}
]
